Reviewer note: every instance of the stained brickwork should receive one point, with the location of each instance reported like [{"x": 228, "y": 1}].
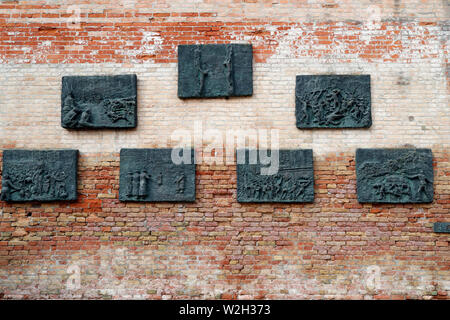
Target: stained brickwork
[{"x": 216, "y": 247}]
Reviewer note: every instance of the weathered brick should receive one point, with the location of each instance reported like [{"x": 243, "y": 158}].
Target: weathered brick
[{"x": 321, "y": 250}]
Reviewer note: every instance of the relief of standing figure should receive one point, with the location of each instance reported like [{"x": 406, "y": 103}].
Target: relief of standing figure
[
  {"x": 38, "y": 179},
  {"x": 305, "y": 112},
  {"x": 130, "y": 184},
  {"x": 143, "y": 176},
  {"x": 228, "y": 65},
  {"x": 135, "y": 183},
  {"x": 60, "y": 185},
  {"x": 179, "y": 180},
  {"x": 160, "y": 179},
  {"x": 46, "y": 184}
]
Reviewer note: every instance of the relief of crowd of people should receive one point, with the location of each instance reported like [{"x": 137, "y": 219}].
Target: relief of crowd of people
[
  {"x": 34, "y": 183},
  {"x": 331, "y": 107},
  {"x": 275, "y": 187}
]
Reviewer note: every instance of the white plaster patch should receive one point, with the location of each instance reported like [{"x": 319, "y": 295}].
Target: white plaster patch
[{"x": 151, "y": 43}]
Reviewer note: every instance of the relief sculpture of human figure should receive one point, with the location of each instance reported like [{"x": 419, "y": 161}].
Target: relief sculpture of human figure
[
  {"x": 85, "y": 118},
  {"x": 135, "y": 183},
  {"x": 75, "y": 116},
  {"x": 52, "y": 184},
  {"x": 379, "y": 190},
  {"x": 301, "y": 186},
  {"x": 130, "y": 184},
  {"x": 143, "y": 176},
  {"x": 60, "y": 186},
  {"x": 7, "y": 188},
  {"x": 179, "y": 180},
  {"x": 46, "y": 184},
  {"x": 202, "y": 71},
  {"x": 337, "y": 113},
  {"x": 422, "y": 189},
  {"x": 277, "y": 187},
  {"x": 70, "y": 112},
  {"x": 160, "y": 179},
  {"x": 38, "y": 179},
  {"x": 305, "y": 112},
  {"x": 228, "y": 65}
]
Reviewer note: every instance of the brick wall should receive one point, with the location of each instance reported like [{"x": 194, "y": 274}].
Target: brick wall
[{"x": 216, "y": 247}]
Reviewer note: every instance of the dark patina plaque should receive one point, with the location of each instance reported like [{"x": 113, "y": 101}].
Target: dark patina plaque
[
  {"x": 441, "y": 227},
  {"x": 38, "y": 175},
  {"x": 99, "y": 102},
  {"x": 333, "y": 101},
  {"x": 215, "y": 70},
  {"x": 292, "y": 182},
  {"x": 394, "y": 175},
  {"x": 150, "y": 175}
]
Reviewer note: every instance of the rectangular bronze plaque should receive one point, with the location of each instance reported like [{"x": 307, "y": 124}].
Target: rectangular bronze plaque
[
  {"x": 150, "y": 175},
  {"x": 292, "y": 182},
  {"x": 215, "y": 70},
  {"x": 394, "y": 175},
  {"x": 441, "y": 227},
  {"x": 39, "y": 175},
  {"x": 333, "y": 101},
  {"x": 93, "y": 102}
]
